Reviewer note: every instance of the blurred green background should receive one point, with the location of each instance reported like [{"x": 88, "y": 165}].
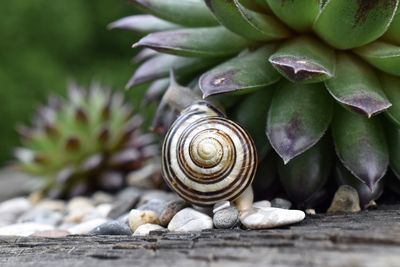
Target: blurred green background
[{"x": 46, "y": 43}]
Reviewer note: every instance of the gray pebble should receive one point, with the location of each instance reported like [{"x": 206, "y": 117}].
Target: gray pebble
[
  {"x": 226, "y": 218},
  {"x": 42, "y": 216},
  {"x": 86, "y": 227},
  {"x": 156, "y": 194},
  {"x": 156, "y": 205},
  {"x": 112, "y": 228},
  {"x": 281, "y": 203},
  {"x": 101, "y": 197},
  {"x": 169, "y": 211},
  {"x": 126, "y": 200}
]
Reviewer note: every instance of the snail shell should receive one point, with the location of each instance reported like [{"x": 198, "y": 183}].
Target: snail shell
[{"x": 206, "y": 157}]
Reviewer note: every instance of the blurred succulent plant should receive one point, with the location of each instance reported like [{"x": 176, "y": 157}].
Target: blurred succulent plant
[
  {"x": 299, "y": 69},
  {"x": 86, "y": 142}
]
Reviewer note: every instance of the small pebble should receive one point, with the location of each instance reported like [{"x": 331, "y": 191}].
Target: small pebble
[
  {"x": 51, "y": 233},
  {"x": 270, "y": 218},
  {"x": 11, "y": 209},
  {"x": 101, "y": 197},
  {"x": 281, "y": 203},
  {"x": 139, "y": 217},
  {"x": 78, "y": 208},
  {"x": 346, "y": 200},
  {"x": 156, "y": 194},
  {"x": 156, "y": 205},
  {"x": 310, "y": 212},
  {"x": 24, "y": 229},
  {"x": 143, "y": 177},
  {"x": 41, "y": 216},
  {"x": 125, "y": 201},
  {"x": 53, "y": 205},
  {"x": 86, "y": 227},
  {"x": 170, "y": 210},
  {"x": 145, "y": 229},
  {"x": 112, "y": 228},
  {"x": 262, "y": 204},
  {"x": 221, "y": 205},
  {"x": 188, "y": 220},
  {"x": 227, "y": 218}
]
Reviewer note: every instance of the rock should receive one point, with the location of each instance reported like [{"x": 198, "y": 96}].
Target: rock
[
  {"x": 112, "y": 228},
  {"x": 78, "y": 208},
  {"x": 226, "y": 218},
  {"x": 188, "y": 220},
  {"x": 346, "y": 200},
  {"x": 281, "y": 203},
  {"x": 52, "y": 205},
  {"x": 101, "y": 197},
  {"x": 169, "y": 211},
  {"x": 221, "y": 205},
  {"x": 24, "y": 229},
  {"x": 157, "y": 194},
  {"x": 310, "y": 212},
  {"x": 143, "y": 177},
  {"x": 126, "y": 200},
  {"x": 139, "y": 217},
  {"x": 269, "y": 218},
  {"x": 145, "y": 229},
  {"x": 11, "y": 209},
  {"x": 86, "y": 227},
  {"x": 51, "y": 233},
  {"x": 262, "y": 204},
  {"x": 41, "y": 216},
  {"x": 101, "y": 211},
  {"x": 156, "y": 205}
]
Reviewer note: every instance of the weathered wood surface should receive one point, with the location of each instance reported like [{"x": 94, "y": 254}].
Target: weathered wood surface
[{"x": 371, "y": 238}]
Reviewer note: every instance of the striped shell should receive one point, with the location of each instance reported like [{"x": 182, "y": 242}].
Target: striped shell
[{"x": 206, "y": 157}]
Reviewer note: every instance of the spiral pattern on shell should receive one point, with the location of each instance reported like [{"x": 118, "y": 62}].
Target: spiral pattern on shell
[{"x": 206, "y": 157}]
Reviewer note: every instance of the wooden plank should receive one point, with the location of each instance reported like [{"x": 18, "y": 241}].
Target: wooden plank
[{"x": 370, "y": 238}]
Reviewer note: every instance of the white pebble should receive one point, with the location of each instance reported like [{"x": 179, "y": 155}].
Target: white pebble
[
  {"x": 86, "y": 227},
  {"x": 189, "y": 219},
  {"x": 262, "y": 204},
  {"x": 24, "y": 229},
  {"x": 221, "y": 205},
  {"x": 139, "y": 217},
  {"x": 145, "y": 229},
  {"x": 270, "y": 218}
]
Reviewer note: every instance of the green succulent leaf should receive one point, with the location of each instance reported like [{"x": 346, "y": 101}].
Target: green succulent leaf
[
  {"x": 247, "y": 23},
  {"x": 251, "y": 114},
  {"x": 346, "y": 24},
  {"x": 196, "y": 42},
  {"x": 383, "y": 56},
  {"x": 391, "y": 86},
  {"x": 144, "y": 55},
  {"x": 244, "y": 73},
  {"x": 304, "y": 59},
  {"x": 298, "y": 117},
  {"x": 193, "y": 13},
  {"x": 356, "y": 86},
  {"x": 159, "y": 67},
  {"x": 306, "y": 174},
  {"x": 393, "y": 135},
  {"x": 255, "y": 5},
  {"x": 143, "y": 24},
  {"x": 361, "y": 146},
  {"x": 393, "y": 33},
  {"x": 298, "y": 15},
  {"x": 366, "y": 194}
]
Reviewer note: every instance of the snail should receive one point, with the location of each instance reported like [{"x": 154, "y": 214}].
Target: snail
[{"x": 207, "y": 158}]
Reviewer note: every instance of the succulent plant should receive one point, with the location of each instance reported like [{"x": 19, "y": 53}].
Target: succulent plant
[
  {"x": 306, "y": 78},
  {"x": 84, "y": 143}
]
